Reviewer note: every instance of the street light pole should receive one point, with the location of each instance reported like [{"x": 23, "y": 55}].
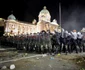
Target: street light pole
[{"x": 60, "y": 15}]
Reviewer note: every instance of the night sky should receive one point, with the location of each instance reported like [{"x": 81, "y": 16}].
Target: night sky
[{"x": 73, "y": 11}]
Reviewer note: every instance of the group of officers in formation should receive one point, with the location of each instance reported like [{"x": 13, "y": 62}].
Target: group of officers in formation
[{"x": 46, "y": 42}]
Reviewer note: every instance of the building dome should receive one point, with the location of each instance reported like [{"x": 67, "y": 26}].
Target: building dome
[
  {"x": 44, "y": 15},
  {"x": 12, "y": 17},
  {"x": 54, "y": 22}
]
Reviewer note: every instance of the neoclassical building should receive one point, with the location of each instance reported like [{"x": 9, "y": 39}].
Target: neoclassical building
[{"x": 15, "y": 27}]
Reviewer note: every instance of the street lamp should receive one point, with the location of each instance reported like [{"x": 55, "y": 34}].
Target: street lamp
[{"x": 60, "y": 15}]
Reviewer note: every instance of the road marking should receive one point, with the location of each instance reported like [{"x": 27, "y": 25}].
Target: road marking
[{"x": 20, "y": 58}]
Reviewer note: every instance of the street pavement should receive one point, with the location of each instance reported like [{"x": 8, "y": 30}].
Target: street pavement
[{"x": 33, "y": 61}]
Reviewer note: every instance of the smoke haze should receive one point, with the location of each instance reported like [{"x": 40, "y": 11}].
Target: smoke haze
[{"x": 74, "y": 18}]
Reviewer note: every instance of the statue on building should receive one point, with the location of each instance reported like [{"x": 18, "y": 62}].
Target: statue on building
[
  {"x": 34, "y": 21},
  {"x": 83, "y": 29}
]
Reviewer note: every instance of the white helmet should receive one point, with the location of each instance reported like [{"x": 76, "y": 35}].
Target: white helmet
[
  {"x": 79, "y": 33},
  {"x": 66, "y": 31},
  {"x": 63, "y": 30},
  {"x": 69, "y": 33}
]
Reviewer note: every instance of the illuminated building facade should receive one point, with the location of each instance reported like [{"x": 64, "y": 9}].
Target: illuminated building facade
[{"x": 14, "y": 27}]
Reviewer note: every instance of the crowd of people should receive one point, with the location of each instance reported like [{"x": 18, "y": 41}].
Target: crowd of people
[{"x": 46, "y": 42}]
